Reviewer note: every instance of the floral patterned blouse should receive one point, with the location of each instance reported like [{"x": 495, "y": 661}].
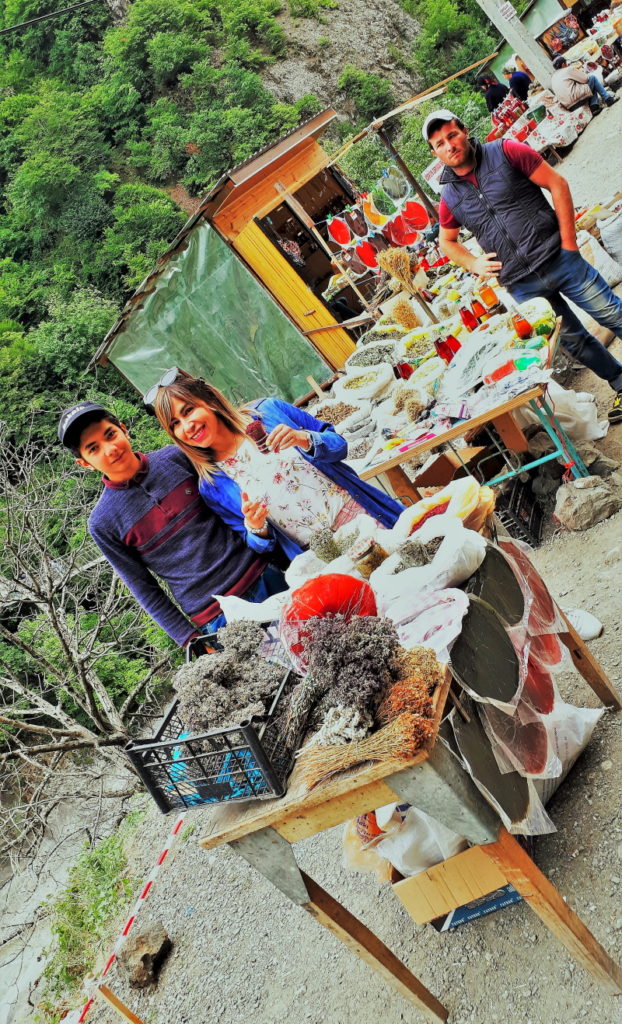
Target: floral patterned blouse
[{"x": 299, "y": 498}]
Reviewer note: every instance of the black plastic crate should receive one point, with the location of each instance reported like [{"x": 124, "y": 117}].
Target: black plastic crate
[
  {"x": 518, "y": 509},
  {"x": 243, "y": 762}
]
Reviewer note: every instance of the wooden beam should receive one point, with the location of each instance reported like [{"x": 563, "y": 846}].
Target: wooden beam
[
  {"x": 591, "y": 669},
  {"x": 545, "y": 901},
  {"x": 408, "y": 105},
  {"x": 358, "y": 938},
  {"x": 114, "y": 1001},
  {"x": 297, "y": 208}
]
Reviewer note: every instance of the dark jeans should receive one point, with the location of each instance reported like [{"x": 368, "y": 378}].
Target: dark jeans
[
  {"x": 271, "y": 581},
  {"x": 571, "y": 276}
]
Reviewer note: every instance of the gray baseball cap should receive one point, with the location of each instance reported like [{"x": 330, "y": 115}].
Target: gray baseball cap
[
  {"x": 68, "y": 423},
  {"x": 437, "y": 115}
]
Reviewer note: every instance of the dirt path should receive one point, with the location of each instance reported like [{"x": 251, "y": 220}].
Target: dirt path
[{"x": 243, "y": 953}]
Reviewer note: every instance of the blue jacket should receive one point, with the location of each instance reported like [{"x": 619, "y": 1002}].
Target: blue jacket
[{"x": 224, "y": 497}]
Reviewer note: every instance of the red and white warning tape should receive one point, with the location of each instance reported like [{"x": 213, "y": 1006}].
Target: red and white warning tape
[{"x": 127, "y": 927}]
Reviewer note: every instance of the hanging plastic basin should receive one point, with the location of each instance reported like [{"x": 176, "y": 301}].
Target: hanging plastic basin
[{"x": 416, "y": 215}]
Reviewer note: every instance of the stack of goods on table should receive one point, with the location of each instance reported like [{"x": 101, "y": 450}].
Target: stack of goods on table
[{"x": 407, "y": 382}]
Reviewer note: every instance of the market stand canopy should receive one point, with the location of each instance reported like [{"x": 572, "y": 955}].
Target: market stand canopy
[{"x": 209, "y": 315}]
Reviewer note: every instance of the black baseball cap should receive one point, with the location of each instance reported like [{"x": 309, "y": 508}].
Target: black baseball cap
[{"x": 68, "y": 425}]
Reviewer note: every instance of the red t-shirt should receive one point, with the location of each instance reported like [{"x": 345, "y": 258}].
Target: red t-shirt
[{"x": 520, "y": 156}]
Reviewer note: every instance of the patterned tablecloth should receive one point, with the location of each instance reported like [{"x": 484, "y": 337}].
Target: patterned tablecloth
[{"x": 560, "y": 127}]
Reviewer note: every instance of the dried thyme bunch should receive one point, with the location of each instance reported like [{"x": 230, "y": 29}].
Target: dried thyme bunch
[{"x": 220, "y": 689}]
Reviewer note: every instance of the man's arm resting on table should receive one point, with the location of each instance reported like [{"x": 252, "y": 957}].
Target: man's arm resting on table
[
  {"x": 484, "y": 266},
  {"x": 547, "y": 178}
]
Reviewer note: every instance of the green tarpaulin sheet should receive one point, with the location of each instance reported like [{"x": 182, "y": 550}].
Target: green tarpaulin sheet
[{"x": 209, "y": 316}]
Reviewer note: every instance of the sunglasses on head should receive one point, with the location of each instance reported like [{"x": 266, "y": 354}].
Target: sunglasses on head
[{"x": 168, "y": 377}]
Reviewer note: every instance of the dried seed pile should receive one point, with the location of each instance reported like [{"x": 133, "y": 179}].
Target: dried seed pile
[
  {"x": 372, "y": 355},
  {"x": 221, "y": 689},
  {"x": 417, "y": 347},
  {"x": 360, "y": 382},
  {"x": 334, "y": 413},
  {"x": 359, "y": 449}
]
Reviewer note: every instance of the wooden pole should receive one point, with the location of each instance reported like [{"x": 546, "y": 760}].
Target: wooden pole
[
  {"x": 405, "y": 107},
  {"x": 302, "y": 214},
  {"x": 406, "y": 171},
  {"x": 114, "y": 1001}
]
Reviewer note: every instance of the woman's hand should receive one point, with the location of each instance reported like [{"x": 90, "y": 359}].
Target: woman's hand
[
  {"x": 288, "y": 437},
  {"x": 255, "y": 514}
]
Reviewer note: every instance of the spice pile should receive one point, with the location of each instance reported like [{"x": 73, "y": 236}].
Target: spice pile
[{"x": 333, "y": 414}]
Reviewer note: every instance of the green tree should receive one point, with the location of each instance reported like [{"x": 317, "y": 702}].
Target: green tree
[{"x": 370, "y": 94}]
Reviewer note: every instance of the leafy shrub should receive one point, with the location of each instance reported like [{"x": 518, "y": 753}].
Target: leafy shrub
[{"x": 370, "y": 94}]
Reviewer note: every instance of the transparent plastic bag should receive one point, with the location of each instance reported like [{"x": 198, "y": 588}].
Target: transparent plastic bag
[
  {"x": 433, "y": 620},
  {"x": 419, "y": 843}
]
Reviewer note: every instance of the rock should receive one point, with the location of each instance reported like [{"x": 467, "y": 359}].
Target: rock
[
  {"x": 582, "y": 503},
  {"x": 598, "y": 463},
  {"x": 143, "y": 954},
  {"x": 540, "y": 444},
  {"x": 543, "y": 486}
]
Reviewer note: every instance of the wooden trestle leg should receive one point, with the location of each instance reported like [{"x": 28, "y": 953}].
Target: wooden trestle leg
[
  {"x": 545, "y": 901},
  {"x": 273, "y": 856},
  {"x": 589, "y": 667}
]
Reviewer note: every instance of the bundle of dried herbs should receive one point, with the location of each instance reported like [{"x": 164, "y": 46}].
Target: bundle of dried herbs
[
  {"x": 221, "y": 689},
  {"x": 324, "y": 545},
  {"x": 403, "y": 314},
  {"x": 351, "y": 663},
  {"x": 415, "y": 553}
]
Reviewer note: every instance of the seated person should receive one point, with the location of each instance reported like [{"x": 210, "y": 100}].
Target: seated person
[
  {"x": 571, "y": 86},
  {"x": 494, "y": 92}
]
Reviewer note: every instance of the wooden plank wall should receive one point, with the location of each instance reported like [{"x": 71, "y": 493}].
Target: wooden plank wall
[
  {"x": 260, "y": 196},
  {"x": 291, "y": 292}
]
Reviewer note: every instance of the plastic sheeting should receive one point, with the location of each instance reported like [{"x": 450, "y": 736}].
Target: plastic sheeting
[{"x": 208, "y": 315}]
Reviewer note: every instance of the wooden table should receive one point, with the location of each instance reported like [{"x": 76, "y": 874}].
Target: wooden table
[
  {"x": 263, "y": 833},
  {"x": 500, "y": 417}
]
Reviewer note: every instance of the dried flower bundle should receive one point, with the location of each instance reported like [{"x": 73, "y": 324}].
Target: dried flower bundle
[
  {"x": 220, "y": 689},
  {"x": 407, "y": 695},
  {"x": 398, "y": 741},
  {"x": 403, "y": 314},
  {"x": 397, "y": 263},
  {"x": 422, "y": 663}
]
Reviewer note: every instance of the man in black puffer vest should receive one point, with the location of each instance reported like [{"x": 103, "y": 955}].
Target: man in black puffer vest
[{"x": 495, "y": 190}]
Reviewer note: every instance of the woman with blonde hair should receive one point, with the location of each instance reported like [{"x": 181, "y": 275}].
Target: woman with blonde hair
[{"x": 271, "y": 471}]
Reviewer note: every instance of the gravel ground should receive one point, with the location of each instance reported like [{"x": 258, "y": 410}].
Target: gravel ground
[{"x": 242, "y": 952}]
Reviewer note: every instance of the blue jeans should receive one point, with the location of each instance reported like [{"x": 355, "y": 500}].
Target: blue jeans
[
  {"x": 271, "y": 581},
  {"x": 571, "y": 276},
  {"x": 597, "y": 86}
]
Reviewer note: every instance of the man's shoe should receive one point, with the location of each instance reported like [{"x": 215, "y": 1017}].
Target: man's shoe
[
  {"x": 612, "y": 100},
  {"x": 615, "y": 413},
  {"x": 596, "y": 111}
]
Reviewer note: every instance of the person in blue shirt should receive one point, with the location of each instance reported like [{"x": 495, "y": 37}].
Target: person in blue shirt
[
  {"x": 518, "y": 81},
  {"x": 271, "y": 471}
]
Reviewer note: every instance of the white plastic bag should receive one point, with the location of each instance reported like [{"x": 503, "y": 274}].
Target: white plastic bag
[
  {"x": 570, "y": 731},
  {"x": 575, "y": 410},
  {"x": 236, "y": 609},
  {"x": 419, "y": 843},
  {"x": 380, "y": 376},
  {"x": 593, "y": 252},
  {"x": 611, "y": 235},
  {"x": 433, "y": 619},
  {"x": 460, "y": 554}
]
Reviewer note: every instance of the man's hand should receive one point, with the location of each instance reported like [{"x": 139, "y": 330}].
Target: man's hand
[
  {"x": 287, "y": 437},
  {"x": 255, "y": 513},
  {"x": 486, "y": 265}
]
